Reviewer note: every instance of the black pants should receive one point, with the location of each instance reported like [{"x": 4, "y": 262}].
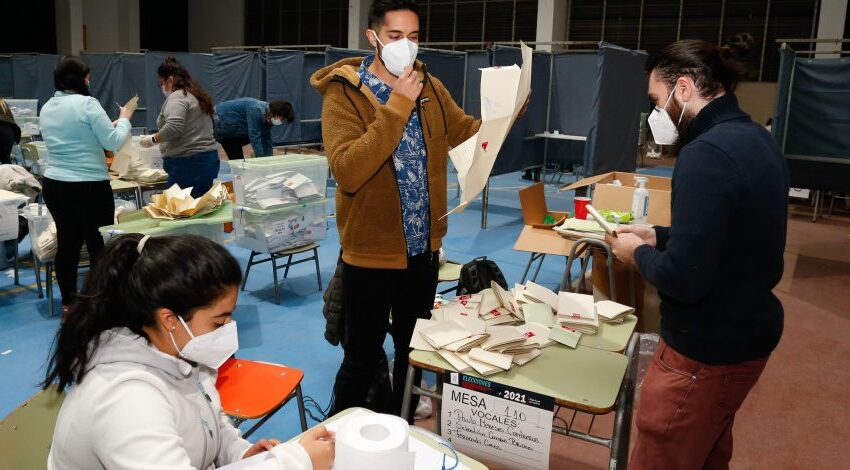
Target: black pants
[
  {"x": 233, "y": 147},
  {"x": 368, "y": 297},
  {"x": 79, "y": 210}
]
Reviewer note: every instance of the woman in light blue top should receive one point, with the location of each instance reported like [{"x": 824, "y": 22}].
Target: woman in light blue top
[{"x": 76, "y": 187}]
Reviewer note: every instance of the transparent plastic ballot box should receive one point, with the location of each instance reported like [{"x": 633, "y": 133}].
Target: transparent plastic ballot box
[
  {"x": 278, "y": 181},
  {"x": 270, "y": 231}
]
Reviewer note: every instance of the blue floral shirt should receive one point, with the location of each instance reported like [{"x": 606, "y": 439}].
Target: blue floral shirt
[{"x": 410, "y": 159}]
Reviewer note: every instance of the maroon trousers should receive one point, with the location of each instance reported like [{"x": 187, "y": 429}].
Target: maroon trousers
[{"x": 686, "y": 411}]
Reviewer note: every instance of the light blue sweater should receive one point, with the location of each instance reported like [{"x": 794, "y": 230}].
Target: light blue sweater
[{"x": 76, "y": 129}]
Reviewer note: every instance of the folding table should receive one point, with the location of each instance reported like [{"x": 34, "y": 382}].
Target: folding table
[{"x": 593, "y": 378}]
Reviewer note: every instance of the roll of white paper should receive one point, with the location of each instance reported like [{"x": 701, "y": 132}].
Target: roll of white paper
[{"x": 374, "y": 441}]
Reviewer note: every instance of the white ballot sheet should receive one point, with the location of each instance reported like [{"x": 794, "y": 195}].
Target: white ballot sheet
[{"x": 504, "y": 91}]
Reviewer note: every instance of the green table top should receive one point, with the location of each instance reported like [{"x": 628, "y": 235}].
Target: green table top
[
  {"x": 415, "y": 433},
  {"x": 586, "y": 379},
  {"x": 611, "y": 336}
]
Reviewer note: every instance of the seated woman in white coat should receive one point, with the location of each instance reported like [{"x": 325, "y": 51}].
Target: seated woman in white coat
[{"x": 140, "y": 350}]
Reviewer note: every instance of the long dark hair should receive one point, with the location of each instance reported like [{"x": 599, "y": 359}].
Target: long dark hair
[
  {"x": 183, "y": 81},
  {"x": 126, "y": 288},
  {"x": 70, "y": 75},
  {"x": 713, "y": 68}
]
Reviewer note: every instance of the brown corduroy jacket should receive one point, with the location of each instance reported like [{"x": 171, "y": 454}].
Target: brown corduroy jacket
[{"x": 360, "y": 136}]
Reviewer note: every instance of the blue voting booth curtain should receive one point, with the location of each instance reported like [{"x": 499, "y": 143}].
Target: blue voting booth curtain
[
  {"x": 284, "y": 73},
  {"x": 619, "y": 99},
  {"x": 448, "y": 67},
  {"x": 816, "y": 127},
  {"x": 7, "y": 83},
  {"x": 200, "y": 66},
  {"x": 115, "y": 78},
  {"x": 237, "y": 74},
  {"x": 33, "y": 76}
]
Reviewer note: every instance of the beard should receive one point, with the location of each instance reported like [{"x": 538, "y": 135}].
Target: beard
[{"x": 674, "y": 110}]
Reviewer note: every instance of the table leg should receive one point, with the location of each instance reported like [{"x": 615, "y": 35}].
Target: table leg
[
  {"x": 437, "y": 405},
  {"x": 539, "y": 265},
  {"x": 408, "y": 392},
  {"x": 625, "y": 402}
]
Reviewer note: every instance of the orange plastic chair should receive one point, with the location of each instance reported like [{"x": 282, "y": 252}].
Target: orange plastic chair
[{"x": 257, "y": 390}]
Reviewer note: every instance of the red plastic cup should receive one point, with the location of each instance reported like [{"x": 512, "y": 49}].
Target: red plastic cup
[{"x": 581, "y": 207}]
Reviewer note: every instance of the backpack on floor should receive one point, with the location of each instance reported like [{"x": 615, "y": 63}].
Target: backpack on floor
[{"x": 476, "y": 275}]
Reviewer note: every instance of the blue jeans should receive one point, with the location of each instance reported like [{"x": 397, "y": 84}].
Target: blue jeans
[{"x": 196, "y": 171}]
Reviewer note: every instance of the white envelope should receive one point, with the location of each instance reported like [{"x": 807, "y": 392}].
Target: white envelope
[
  {"x": 522, "y": 359},
  {"x": 455, "y": 361}
]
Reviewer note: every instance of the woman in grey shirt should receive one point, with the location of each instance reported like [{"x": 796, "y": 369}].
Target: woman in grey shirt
[{"x": 185, "y": 137}]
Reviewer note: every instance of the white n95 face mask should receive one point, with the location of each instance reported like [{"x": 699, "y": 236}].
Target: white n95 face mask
[
  {"x": 664, "y": 132},
  {"x": 276, "y": 121},
  {"x": 398, "y": 54},
  {"x": 210, "y": 349},
  {"x": 165, "y": 92}
]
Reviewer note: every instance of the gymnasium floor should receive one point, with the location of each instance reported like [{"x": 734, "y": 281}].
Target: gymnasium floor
[{"x": 796, "y": 417}]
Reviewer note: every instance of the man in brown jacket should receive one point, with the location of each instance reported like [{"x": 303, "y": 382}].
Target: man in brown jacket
[{"x": 387, "y": 127}]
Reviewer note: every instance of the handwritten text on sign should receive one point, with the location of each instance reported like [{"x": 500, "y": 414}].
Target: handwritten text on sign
[{"x": 497, "y": 423}]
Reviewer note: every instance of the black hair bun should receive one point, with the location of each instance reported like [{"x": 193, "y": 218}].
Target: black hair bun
[{"x": 740, "y": 45}]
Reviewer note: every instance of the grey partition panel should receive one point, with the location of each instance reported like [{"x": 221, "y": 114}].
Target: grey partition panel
[
  {"x": 7, "y": 82},
  {"x": 448, "y": 66},
  {"x": 200, "y": 66},
  {"x": 620, "y": 97},
  {"x": 238, "y": 74},
  {"x": 335, "y": 54},
  {"x": 33, "y": 76},
  {"x": 475, "y": 60},
  {"x": 787, "y": 59}
]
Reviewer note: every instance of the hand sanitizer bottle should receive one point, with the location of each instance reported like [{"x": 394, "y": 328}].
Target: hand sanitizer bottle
[{"x": 640, "y": 200}]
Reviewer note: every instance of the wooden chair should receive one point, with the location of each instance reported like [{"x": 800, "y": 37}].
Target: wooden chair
[
  {"x": 27, "y": 432},
  {"x": 257, "y": 390}
]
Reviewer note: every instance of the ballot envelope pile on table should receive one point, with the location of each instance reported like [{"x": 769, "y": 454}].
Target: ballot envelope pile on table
[{"x": 497, "y": 329}]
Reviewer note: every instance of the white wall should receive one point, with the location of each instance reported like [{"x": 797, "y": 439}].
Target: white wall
[
  {"x": 358, "y": 19},
  {"x": 111, "y": 25},
  {"x": 216, "y": 24},
  {"x": 831, "y": 26}
]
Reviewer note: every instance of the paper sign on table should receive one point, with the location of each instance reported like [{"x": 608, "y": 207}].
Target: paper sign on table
[{"x": 496, "y": 423}]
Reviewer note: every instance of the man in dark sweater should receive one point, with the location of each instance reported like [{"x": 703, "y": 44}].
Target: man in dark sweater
[{"x": 714, "y": 267}]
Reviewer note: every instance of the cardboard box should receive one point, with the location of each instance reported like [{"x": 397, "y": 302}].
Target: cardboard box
[
  {"x": 533, "y": 202},
  {"x": 608, "y": 196}
]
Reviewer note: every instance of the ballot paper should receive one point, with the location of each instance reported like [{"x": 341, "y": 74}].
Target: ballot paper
[
  {"x": 504, "y": 91},
  {"x": 177, "y": 203},
  {"x": 565, "y": 335},
  {"x": 444, "y": 333},
  {"x": 459, "y": 364},
  {"x": 578, "y": 311},
  {"x": 417, "y": 341},
  {"x": 470, "y": 321},
  {"x": 535, "y": 334},
  {"x": 505, "y": 298},
  {"x": 612, "y": 312},
  {"x": 523, "y": 359},
  {"x": 489, "y": 301},
  {"x": 502, "y": 336},
  {"x": 502, "y": 361},
  {"x": 467, "y": 343},
  {"x": 538, "y": 313},
  {"x": 541, "y": 294},
  {"x": 481, "y": 367}
]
